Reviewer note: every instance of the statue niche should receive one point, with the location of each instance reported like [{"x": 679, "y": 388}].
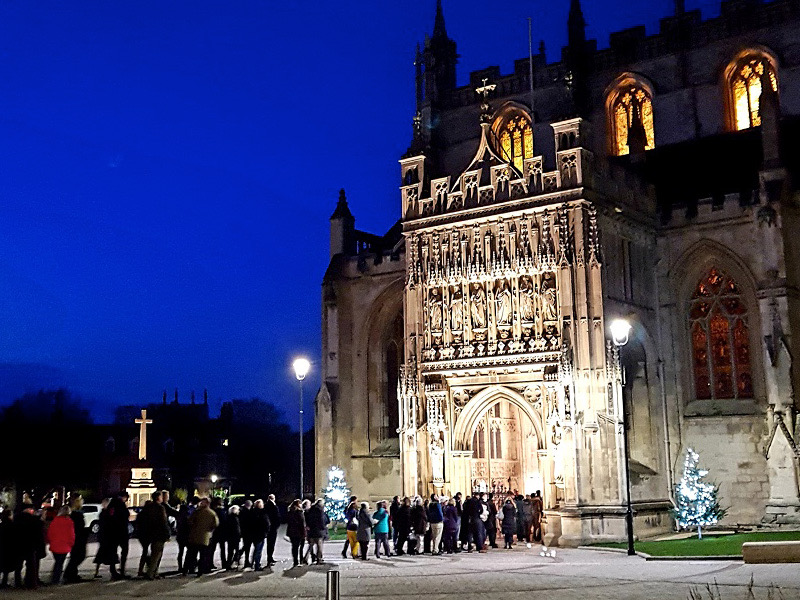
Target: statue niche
[
  {"x": 503, "y": 304},
  {"x": 456, "y": 310},
  {"x": 527, "y": 300},
  {"x": 549, "y": 298},
  {"x": 478, "y": 309},
  {"x": 435, "y": 305}
]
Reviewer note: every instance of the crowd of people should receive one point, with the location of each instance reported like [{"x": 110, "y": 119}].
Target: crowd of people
[
  {"x": 441, "y": 525},
  {"x": 239, "y": 534}
]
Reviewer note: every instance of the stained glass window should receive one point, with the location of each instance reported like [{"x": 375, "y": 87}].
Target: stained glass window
[
  {"x": 720, "y": 339},
  {"x": 631, "y": 103},
  {"x": 746, "y": 90},
  {"x": 516, "y": 140}
]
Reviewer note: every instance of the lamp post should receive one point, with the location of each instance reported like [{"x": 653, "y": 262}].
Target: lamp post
[
  {"x": 301, "y": 367},
  {"x": 620, "y": 331}
]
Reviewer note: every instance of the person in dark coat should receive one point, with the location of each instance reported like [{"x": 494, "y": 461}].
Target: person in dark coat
[
  {"x": 317, "y": 526},
  {"x": 348, "y": 543},
  {"x": 469, "y": 513},
  {"x": 402, "y": 523},
  {"x": 31, "y": 540},
  {"x": 106, "y": 551},
  {"x": 450, "y": 532},
  {"x": 118, "y": 521},
  {"x": 296, "y": 530},
  {"x": 245, "y": 521},
  {"x": 459, "y": 512},
  {"x": 364, "y": 533},
  {"x": 479, "y": 522},
  {"x": 436, "y": 523},
  {"x": 218, "y": 537},
  {"x": 153, "y": 526},
  {"x": 538, "y": 510},
  {"x": 491, "y": 522},
  {"x": 275, "y": 520},
  {"x": 10, "y": 560},
  {"x": 232, "y": 535},
  {"x": 518, "y": 501},
  {"x": 419, "y": 521},
  {"x": 393, "y": 508},
  {"x": 78, "y": 554},
  {"x": 182, "y": 537},
  {"x": 259, "y": 529},
  {"x": 509, "y": 522}
]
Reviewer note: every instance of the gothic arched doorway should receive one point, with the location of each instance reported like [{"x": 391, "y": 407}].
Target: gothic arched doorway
[{"x": 505, "y": 446}]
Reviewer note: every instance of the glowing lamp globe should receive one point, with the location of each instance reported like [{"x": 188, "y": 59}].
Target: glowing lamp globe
[
  {"x": 620, "y": 330},
  {"x": 301, "y": 368}
]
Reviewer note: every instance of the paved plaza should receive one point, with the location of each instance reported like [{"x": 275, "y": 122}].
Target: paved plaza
[{"x": 508, "y": 574}]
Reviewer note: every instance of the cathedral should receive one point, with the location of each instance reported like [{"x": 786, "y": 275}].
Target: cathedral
[{"x": 652, "y": 183}]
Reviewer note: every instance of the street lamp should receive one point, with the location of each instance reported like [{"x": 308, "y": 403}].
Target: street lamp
[
  {"x": 620, "y": 332},
  {"x": 301, "y": 367}
]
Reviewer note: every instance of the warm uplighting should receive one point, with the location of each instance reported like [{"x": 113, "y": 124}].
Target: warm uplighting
[
  {"x": 620, "y": 330},
  {"x": 301, "y": 367}
]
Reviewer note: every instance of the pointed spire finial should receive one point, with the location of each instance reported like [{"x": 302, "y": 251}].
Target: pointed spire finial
[
  {"x": 680, "y": 7},
  {"x": 342, "y": 209},
  {"x": 438, "y": 24}
]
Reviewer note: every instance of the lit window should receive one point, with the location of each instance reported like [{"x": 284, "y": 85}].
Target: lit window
[
  {"x": 720, "y": 339},
  {"x": 516, "y": 139},
  {"x": 632, "y": 119},
  {"x": 745, "y": 87}
]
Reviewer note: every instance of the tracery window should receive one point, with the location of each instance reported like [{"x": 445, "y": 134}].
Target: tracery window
[
  {"x": 479, "y": 442},
  {"x": 631, "y": 116},
  {"x": 720, "y": 339},
  {"x": 515, "y": 136},
  {"x": 746, "y": 87}
]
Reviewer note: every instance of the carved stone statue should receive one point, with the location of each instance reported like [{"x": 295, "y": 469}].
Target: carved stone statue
[
  {"x": 457, "y": 311},
  {"x": 527, "y": 307},
  {"x": 503, "y": 305},
  {"x": 436, "y": 310},
  {"x": 478, "y": 307},
  {"x": 549, "y": 308}
]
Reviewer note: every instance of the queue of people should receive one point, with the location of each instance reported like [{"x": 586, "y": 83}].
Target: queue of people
[
  {"x": 441, "y": 525},
  {"x": 205, "y": 529}
]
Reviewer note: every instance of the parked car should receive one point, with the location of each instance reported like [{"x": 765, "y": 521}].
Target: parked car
[{"x": 91, "y": 512}]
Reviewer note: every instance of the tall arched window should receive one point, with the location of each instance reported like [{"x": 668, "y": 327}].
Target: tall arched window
[
  {"x": 515, "y": 136},
  {"x": 631, "y": 117},
  {"x": 745, "y": 81},
  {"x": 720, "y": 339},
  {"x": 479, "y": 441}
]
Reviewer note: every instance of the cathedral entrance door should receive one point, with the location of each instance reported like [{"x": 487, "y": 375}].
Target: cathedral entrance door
[{"x": 505, "y": 456}]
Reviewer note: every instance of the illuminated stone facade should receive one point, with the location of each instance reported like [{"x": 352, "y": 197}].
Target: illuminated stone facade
[{"x": 469, "y": 348}]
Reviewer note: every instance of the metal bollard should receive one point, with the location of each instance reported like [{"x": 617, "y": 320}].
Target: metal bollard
[{"x": 332, "y": 587}]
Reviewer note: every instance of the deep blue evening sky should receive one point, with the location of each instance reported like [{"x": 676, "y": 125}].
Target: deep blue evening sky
[{"x": 167, "y": 170}]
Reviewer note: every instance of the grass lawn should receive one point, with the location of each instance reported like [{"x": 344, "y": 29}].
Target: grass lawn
[{"x": 710, "y": 545}]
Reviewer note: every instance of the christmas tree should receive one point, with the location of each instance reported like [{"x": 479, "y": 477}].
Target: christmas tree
[
  {"x": 696, "y": 502},
  {"x": 336, "y": 495}
]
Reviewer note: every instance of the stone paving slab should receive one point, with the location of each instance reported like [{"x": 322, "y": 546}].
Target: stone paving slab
[{"x": 511, "y": 574}]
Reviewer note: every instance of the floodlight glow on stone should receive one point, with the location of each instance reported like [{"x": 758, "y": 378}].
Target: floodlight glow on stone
[{"x": 620, "y": 329}]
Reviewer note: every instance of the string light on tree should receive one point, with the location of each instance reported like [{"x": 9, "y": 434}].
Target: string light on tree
[
  {"x": 696, "y": 502},
  {"x": 336, "y": 495}
]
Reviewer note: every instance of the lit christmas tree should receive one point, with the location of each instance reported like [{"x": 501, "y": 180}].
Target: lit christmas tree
[
  {"x": 696, "y": 501},
  {"x": 336, "y": 495}
]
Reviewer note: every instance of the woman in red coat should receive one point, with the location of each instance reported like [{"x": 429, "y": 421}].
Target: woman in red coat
[{"x": 61, "y": 537}]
